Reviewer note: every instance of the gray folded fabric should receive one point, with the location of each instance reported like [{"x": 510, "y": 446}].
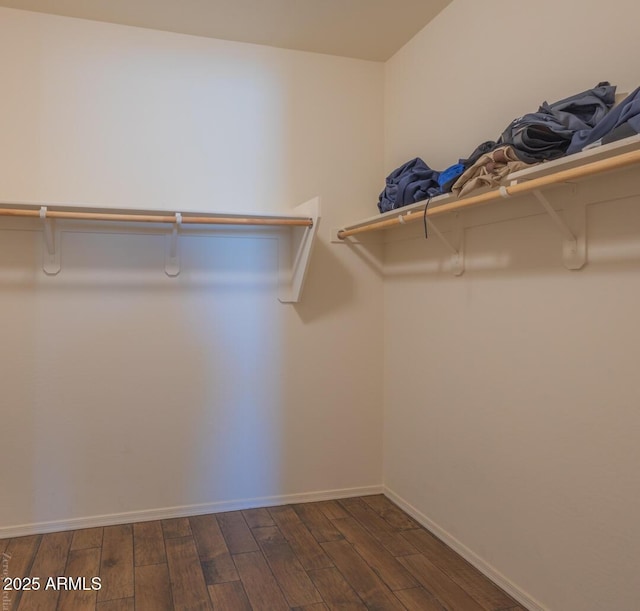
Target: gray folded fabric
[{"x": 621, "y": 122}]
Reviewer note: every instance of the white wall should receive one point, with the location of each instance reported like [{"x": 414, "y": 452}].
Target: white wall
[
  {"x": 511, "y": 394},
  {"x": 124, "y": 390}
]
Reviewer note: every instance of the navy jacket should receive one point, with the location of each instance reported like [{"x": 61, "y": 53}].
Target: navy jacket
[
  {"x": 622, "y": 121},
  {"x": 547, "y": 134},
  {"x": 411, "y": 182}
]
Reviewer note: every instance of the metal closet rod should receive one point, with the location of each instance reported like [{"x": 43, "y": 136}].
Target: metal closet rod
[
  {"x": 157, "y": 218},
  {"x": 584, "y": 171}
]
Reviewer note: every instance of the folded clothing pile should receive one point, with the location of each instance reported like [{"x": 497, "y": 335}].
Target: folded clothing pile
[
  {"x": 564, "y": 127},
  {"x": 547, "y": 134},
  {"x": 412, "y": 182},
  {"x": 489, "y": 170},
  {"x": 621, "y": 122}
]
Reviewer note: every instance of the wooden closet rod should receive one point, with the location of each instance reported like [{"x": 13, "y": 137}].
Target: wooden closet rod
[
  {"x": 590, "y": 169},
  {"x": 159, "y": 218}
]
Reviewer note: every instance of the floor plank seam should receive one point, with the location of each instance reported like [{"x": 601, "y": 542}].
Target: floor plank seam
[{"x": 360, "y": 551}]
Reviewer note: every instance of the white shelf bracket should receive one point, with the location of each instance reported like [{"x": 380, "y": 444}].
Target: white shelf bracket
[
  {"x": 457, "y": 252},
  {"x": 172, "y": 258},
  {"x": 51, "y": 259},
  {"x": 574, "y": 244},
  {"x": 295, "y": 245}
]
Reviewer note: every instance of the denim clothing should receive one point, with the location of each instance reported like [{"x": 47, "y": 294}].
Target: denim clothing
[
  {"x": 411, "y": 182},
  {"x": 547, "y": 134},
  {"x": 622, "y": 121}
]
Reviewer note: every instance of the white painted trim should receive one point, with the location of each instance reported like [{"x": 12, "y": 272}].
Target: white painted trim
[
  {"x": 482, "y": 565},
  {"x": 37, "y": 528}
]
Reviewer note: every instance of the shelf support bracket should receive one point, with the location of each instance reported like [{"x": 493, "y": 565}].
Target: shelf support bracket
[
  {"x": 457, "y": 252},
  {"x": 295, "y": 245},
  {"x": 172, "y": 259},
  {"x": 51, "y": 261},
  {"x": 574, "y": 244}
]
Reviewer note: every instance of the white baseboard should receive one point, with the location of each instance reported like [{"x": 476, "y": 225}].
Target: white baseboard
[
  {"x": 484, "y": 567},
  {"x": 164, "y": 513}
]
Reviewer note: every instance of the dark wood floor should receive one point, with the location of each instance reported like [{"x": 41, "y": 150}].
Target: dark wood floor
[{"x": 359, "y": 553}]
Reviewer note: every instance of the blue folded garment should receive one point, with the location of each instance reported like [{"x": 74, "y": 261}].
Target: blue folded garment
[
  {"x": 622, "y": 121},
  {"x": 547, "y": 134},
  {"x": 411, "y": 182},
  {"x": 449, "y": 176}
]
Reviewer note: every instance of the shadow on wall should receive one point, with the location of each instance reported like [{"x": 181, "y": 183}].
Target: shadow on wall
[
  {"x": 142, "y": 393},
  {"x": 128, "y": 390},
  {"x": 531, "y": 244},
  {"x": 328, "y": 287}
]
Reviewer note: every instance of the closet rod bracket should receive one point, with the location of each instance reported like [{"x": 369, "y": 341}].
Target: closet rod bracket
[
  {"x": 574, "y": 243},
  {"x": 172, "y": 258},
  {"x": 295, "y": 246},
  {"x": 51, "y": 258}
]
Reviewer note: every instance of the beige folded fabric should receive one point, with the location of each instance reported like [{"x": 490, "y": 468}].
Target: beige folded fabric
[{"x": 489, "y": 170}]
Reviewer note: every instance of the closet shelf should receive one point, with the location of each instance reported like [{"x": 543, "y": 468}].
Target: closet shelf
[
  {"x": 295, "y": 233},
  {"x": 534, "y": 180},
  {"x": 521, "y": 183}
]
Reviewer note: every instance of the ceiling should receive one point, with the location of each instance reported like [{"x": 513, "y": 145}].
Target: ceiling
[{"x": 365, "y": 29}]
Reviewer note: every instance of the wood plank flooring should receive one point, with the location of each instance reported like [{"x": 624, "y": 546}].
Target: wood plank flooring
[{"x": 360, "y": 553}]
